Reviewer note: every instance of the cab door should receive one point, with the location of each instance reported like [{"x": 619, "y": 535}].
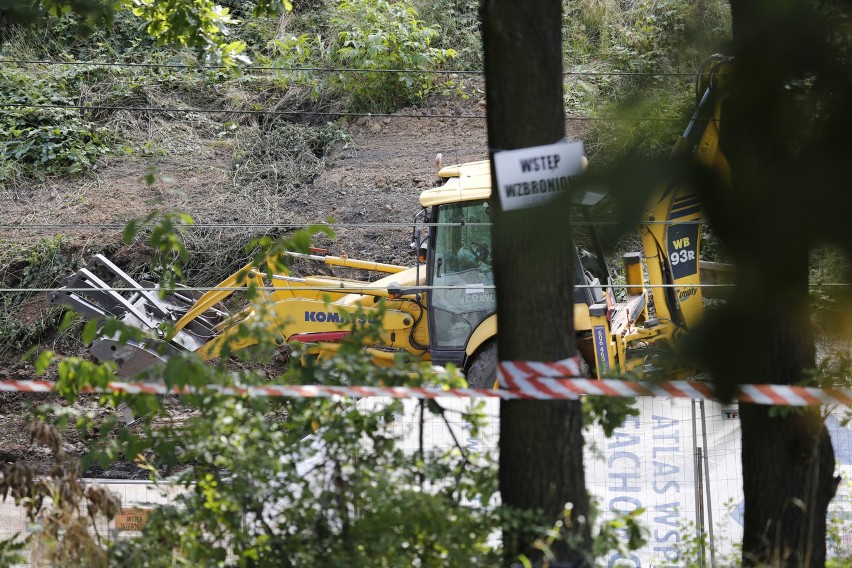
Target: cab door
[{"x": 460, "y": 277}]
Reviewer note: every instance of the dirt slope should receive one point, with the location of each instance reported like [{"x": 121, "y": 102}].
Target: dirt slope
[{"x": 375, "y": 178}]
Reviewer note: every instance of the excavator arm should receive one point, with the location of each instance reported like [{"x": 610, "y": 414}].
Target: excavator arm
[
  {"x": 671, "y": 232},
  {"x": 629, "y": 336},
  {"x": 315, "y": 309}
]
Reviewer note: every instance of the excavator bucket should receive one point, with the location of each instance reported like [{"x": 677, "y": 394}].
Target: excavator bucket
[{"x": 101, "y": 290}]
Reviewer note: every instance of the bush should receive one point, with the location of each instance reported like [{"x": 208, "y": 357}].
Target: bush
[
  {"x": 374, "y": 37},
  {"x": 43, "y": 141},
  {"x": 460, "y": 29},
  {"x": 648, "y": 37},
  {"x": 22, "y": 321},
  {"x": 302, "y": 482}
]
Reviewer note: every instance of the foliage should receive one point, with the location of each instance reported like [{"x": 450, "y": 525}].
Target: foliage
[
  {"x": 38, "y": 265},
  {"x": 70, "y": 35},
  {"x": 165, "y": 236},
  {"x": 263, "y": 491},
  {"x": 458, "y": 21},
  {"x": 10, "y": 551},
  {"x": 829, "y": 302},
  {"x": 693, "y": 548},
  {"x": 249, "y": 497},
  {"x": 283, "y": 155},
  {"x": 837, "y": 530},
  {"x": 303, "y": 481},
  {"x": 28, "y": 13},
  {"x": 199, "y": 24},
  {"x": 44, "y": 140},
  {"x": 783, "y": 133},
  {"x": 619, "y": 532},
  {"x": 65, "y": 512},
  {"x": 373, "y": 37},
  {"x": 644, "y": 36},
  {"x": 608, "y": 412},
  {"x": 642, "y": 124},
  {"x": 619, "y": 55},
  {"x": 615, "y": 36},
  {"x": 271, "y": 481}
]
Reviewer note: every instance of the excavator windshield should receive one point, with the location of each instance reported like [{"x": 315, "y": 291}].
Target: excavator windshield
[{"x": 461, "y": 275}]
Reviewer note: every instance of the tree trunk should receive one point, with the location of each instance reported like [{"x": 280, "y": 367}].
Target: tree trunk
[
  {"x": 787, "y": 479},
  {"x": 788, "y": 461},
  {"x": 541, "y": 444}
]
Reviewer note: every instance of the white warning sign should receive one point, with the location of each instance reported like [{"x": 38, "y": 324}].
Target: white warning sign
[{"x": 530, "y": 176}]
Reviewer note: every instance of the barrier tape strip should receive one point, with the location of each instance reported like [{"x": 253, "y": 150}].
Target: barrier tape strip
[{"x": 534, "y": 388}]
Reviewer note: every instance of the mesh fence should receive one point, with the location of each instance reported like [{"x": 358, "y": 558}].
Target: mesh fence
[
  {"x": 137, "y": 498},
  {"x": 678, "y": 461}
]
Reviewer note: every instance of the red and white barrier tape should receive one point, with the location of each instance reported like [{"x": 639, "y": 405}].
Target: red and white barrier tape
[
  {"x": 537, "y": 388},
  {"x": 513, "y": 374}
]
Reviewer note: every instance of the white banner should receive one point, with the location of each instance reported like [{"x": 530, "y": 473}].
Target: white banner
[{"x": 650, "y": 463}]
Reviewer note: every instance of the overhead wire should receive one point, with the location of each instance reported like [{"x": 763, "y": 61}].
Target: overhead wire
[
  {"x": 349, "y": 287},
  {"x": 273, "y": 226},
  {"x": 316, "y": 70},
  {"x": 233, "y": 111},
  {"x": 132, "y": 64},
  {"x": 318, "y": 113},
  {"x": 201, "y": 226},
  {"x": 278, "y": 226}
]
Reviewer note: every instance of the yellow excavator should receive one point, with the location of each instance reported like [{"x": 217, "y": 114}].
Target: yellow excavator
[{"x": 442, "y": 309}]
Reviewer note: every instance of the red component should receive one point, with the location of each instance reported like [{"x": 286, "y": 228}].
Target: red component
[
  {"x": 319, "y": 336},
  {"x": 317, "y": 250},
  {"x": 610, "y": 302}
]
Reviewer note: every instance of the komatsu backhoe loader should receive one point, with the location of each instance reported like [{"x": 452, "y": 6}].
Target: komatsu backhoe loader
[{"x": 442, "y": 309}]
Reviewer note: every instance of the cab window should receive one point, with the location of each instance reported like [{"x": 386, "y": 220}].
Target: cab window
[{"x": 462, "y": 265}]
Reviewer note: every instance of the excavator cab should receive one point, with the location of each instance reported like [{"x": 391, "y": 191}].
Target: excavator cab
[
  {"x": 462, "y": 301},
  {"x": 460, "y": 276}
]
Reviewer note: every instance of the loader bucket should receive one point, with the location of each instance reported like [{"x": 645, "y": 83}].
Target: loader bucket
[{"x": 101, "y": 291}]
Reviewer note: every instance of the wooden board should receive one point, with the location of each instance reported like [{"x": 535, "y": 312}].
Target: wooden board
[{"x": 131, "y": 519}]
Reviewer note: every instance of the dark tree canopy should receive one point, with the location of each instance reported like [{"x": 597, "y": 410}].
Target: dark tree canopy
[{"x": 785, "y": 133}]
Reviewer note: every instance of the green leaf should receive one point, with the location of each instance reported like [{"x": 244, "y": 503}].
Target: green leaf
[
  {"x": 28, "y": 355},
  {"x": 90, "y": 331},
  {"x": 130, "y": 231},
  {"x": 43, "y": 361},
  {"x": 133, "y": 447}
]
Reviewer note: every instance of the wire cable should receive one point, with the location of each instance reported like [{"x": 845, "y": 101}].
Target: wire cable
[
  {"x": 234, "y": 111},
  {"x": 131, "y": 64},
  {"x": 350, "y": 288},
  {"x": 273, "y": 226},
  {"x": 324, "y": 113}
]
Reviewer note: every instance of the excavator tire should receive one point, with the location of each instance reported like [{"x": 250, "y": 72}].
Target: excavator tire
[{"x": 482, "y": 371}]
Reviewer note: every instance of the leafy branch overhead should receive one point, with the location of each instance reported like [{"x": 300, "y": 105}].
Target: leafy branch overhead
[{"x": 202, "y": 25}]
